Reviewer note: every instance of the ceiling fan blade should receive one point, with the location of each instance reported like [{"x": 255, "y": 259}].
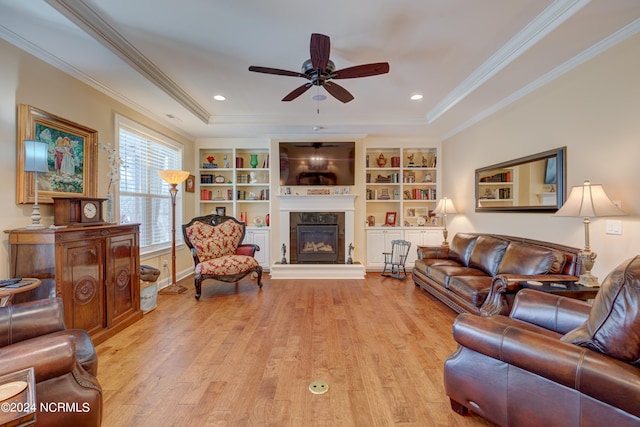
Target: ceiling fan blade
[
  {"x": 338, "y": 92},
  {"x": 276, "y": 71},
  {"x": 365, "y": 70},
  {"x": 297, "y": 92},
  {"x": 320, "y": 48}
]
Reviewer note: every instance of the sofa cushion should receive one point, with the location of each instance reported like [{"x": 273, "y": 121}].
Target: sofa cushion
[
  {"x": 521, "y": 258},
  {"x": 442, "y": 273},
  {"x": 215, "y": 241},
  {"x": 613, "y": 326},
  {"x": 487, "y": 254},
  {"x": 471, "y": 288},
  {"x": 461, "y": 246}
]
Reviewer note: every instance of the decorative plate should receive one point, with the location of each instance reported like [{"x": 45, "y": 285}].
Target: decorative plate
[
  {"x": 258, "y": 221},
  {"x": 421, "y": 220},
  {"x": 220, "y": 179}
]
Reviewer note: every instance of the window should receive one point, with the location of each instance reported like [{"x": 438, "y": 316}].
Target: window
[{"x": 144, "y": 196}]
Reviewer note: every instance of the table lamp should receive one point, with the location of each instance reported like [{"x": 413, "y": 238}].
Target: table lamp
[
  {"x": 445, "y": 206},
  {"x": 173, "y": 177},
  {"x": 588, "y": 201},
  {"x": 35, "y": 160}
]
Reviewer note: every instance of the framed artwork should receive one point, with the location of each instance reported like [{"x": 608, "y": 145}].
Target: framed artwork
[
  {"x": 390, "y": 219},
  {"x": 72, "y": 157},
  {"x": 190, "y": 184},
  {"x": 221, "y": 210}
]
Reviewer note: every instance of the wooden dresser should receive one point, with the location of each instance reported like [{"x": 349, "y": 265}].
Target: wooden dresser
[{"x": 96, "y": 271}]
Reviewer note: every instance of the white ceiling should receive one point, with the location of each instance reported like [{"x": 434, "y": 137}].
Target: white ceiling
[{"x": 468, "y": 58}]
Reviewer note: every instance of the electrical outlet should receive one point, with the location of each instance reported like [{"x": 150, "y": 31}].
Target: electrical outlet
[{"x": 165, "y": 263}]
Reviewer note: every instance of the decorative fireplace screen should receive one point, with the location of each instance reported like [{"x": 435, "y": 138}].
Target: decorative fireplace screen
[{"x": 317, "y": 243}]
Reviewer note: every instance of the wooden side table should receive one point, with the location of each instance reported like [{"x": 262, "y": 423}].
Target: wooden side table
[
  {"x": 565, "y": 289},
  {"x": 7, "y": 292},
  {"x": 19, "y": 409}
]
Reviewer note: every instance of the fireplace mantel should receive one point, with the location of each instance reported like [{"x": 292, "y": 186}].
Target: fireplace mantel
[{"x": 317, "y": 203}]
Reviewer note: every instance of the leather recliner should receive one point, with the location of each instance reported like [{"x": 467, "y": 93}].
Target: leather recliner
[
  {"x": 65, "y": 364},
  {"x": 553, "y": 361}
]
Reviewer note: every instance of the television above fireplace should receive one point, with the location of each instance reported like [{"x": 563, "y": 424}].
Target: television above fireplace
[{"x": 317, "y": 163}]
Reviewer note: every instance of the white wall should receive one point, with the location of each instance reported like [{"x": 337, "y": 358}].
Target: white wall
[{"x": 594, "y": 111}]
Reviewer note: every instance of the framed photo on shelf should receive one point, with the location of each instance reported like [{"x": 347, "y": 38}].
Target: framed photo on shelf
[
  {"x": 71, "y": 161},
  {"x": 221, "y": 210},
  {"x": 411, "y": 212},
  {"x": 390, "y": 219},
  {"x": 434, "y": 221},
  {"x": 190, "y": 184}
]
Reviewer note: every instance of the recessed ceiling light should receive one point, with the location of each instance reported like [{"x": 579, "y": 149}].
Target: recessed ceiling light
[
  {"x": 219, "y": 98},
  {"x": 416, "y": 97}
]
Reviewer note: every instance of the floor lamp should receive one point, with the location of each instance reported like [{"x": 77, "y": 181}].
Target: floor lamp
[
  {"x": 174, "y": 178},
  {"x": 35, "y": 160},
  {"x": 445, "y": 206},
  {"x": 588, "y": 201}
]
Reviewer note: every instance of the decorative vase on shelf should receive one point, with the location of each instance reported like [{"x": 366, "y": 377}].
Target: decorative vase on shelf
[
  {"x": 108, "y": 214},
  {"x": 254, "y": 160}
]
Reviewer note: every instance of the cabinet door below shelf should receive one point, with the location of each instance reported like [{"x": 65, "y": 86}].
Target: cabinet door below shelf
[{"x": 81, "y": 284}]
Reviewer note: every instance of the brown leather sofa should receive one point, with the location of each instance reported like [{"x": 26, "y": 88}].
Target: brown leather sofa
[
  {"x": 33, "y": 334},
  {"x": 480, "y": 273},
  {"x": 553, "y": 361}
]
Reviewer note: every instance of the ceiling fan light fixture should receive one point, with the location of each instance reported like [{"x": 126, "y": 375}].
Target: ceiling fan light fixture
[{"x": 319, "y": 97}]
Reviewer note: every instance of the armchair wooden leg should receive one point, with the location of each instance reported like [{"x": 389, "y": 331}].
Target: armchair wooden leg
[
  {"x": 259, "y": 272},
  {"x": 198, "y": 285}
]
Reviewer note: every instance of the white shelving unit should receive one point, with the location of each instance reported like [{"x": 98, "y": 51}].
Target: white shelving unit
[
  {"x": 236, "y": 182},
  {"x": 403, "y": 182}
]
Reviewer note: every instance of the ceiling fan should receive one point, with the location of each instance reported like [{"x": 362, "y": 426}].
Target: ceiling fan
[{"x": 320, "y": 70}]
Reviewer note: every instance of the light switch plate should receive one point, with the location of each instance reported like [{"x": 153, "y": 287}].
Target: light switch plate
[{"x": 613, "y": 226}]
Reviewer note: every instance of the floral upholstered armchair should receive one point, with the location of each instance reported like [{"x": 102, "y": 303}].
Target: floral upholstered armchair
[{"x": 214, "y": 241}]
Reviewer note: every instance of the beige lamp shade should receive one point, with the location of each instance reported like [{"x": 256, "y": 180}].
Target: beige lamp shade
[
  {"x": 445, "y": 206},
  {"x": 589, "y": 201},
  {"x": 173, "y": 176}
]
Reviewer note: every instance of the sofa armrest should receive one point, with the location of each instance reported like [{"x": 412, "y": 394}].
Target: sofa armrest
[
  {"x": 50, "y": 356},
  {"x": 19, "y": 322},
  {"x": 553, "y": 312},
  {"x": 248, "y": 249},
  {"x": 510, "y": 283},
  {"x": 435, "y": 252},
  {"x": 594, "y": 374}
]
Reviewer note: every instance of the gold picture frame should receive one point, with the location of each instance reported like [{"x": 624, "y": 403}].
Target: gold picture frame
[
  {"x": 72, "y": 159},
  {"x": 190, "y": 184}
]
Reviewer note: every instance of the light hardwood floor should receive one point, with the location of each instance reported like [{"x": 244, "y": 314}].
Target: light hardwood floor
[{"x": 244, "y": 356}]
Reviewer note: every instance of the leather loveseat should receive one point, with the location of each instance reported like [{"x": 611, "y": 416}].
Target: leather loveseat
[
  {"x": 480, "y": 273},
  {"x": 553, "y": 361},
  {"x": 64, "y": 361}
]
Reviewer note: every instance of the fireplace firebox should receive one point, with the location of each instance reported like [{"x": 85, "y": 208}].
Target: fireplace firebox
[{"x": 317, "y": 243}]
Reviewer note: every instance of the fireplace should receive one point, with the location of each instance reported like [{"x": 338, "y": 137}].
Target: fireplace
[
  {"x": 330, "y": 209},
  {"x": 316, "y": 237},
  {"x": 317, "y": 243}
]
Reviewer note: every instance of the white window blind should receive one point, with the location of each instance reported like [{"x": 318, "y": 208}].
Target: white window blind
[{"x": 144, "y": 196}]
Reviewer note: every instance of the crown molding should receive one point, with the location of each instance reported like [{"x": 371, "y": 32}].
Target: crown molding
[
  {"x": 78, "y": 12},
  {"x": 584, "y": 56},
  {"x": 550, "y": 19}
]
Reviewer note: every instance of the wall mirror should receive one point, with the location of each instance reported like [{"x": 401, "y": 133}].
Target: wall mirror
[{"x": 535, "y": 183}]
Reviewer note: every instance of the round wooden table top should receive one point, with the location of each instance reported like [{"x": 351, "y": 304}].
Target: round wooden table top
[{"x": 8, "y": 291}]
